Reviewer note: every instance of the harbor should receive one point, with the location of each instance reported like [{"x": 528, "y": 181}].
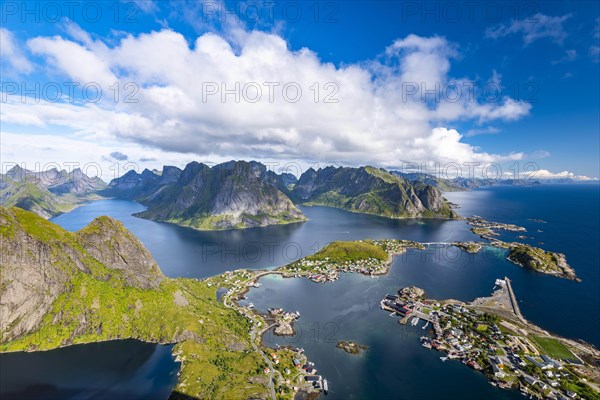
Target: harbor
[{"x": 491, "y": 335}]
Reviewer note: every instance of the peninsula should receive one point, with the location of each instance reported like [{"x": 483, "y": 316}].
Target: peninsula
[{"x": 490, "y": 335}]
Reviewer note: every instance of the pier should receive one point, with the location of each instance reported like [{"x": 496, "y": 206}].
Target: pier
[{"x": 513, "y": 300}]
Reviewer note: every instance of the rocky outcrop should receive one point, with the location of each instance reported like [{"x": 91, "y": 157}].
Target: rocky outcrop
[
  {"x": 539, "y": 260},
  {"x": 107, "y": 241},
  {"x": 371, "y": 190},
  {"x": 39, "y": 259},
  {"x": 351, "y": 347}
]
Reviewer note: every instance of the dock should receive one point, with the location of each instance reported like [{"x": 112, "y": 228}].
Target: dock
[{"x": 513, "y": 300}]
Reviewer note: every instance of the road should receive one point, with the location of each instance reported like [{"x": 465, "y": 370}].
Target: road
[{"x": 229, "y": 304}]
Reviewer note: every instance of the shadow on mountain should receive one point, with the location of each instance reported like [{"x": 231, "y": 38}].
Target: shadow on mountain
[{"x": 180, "y": 396}]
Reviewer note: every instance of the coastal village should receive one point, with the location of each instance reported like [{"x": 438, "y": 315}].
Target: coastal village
[
  {"x": 511, "y": 353},
  {"x": 288, "y": 370},
  {"x": 373, "y": 257},
  {"x": 489, "y": 334}
]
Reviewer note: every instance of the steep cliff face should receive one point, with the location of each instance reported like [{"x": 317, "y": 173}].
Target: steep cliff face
[
  {"x": 38, "y": 261},
  {"x": 107, "y": 241},
  {"x": 228, "y": 195},
  {"x": 371, "y": 190}
]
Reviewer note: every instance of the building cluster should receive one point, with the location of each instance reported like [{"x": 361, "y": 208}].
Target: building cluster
[{"x": 476, "y": 339}]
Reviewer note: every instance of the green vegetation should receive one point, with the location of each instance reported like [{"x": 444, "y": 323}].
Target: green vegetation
[
  {"x": 206, "y": 222},
  {"x": 553, "y": 348},
  {"x": 371, "y": 190},
  {"x": 338, "y": 252},
  {"x": 29, "y": 196},
  {"x": 98, "y": 302},
  {"x": 217, "y": 360},
  {"x": 540, "y": 260},
  {"x": 581, "y": 389}
]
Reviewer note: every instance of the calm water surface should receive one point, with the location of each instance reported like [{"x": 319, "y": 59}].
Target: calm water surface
[{"x": 125, "y": 370}]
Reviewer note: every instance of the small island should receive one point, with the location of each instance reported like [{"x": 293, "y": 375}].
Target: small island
[
  {"x": 524, "y": 255},
  {"x": 351, "y": 347},
  {"x": 540, "y": 260},
  {"x": 469, "y": 247},
  {"x": 368, "y": 257}
]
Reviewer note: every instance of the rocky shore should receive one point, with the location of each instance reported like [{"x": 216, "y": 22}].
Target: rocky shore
[{"x": 351, "y": 347}]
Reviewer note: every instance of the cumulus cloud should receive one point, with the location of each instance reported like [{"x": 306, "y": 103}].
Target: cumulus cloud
[
  {"x": 532, "y": 29},
  {"x": 545, "y": 174},
  {"x": 263, "y": 100}
]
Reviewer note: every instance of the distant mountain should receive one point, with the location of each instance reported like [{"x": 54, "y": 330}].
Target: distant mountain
[
  {"x": 47, "y": 193},
  {"x": 474, "y": 183},
  {"x": 134, "y": 185},
  {"x": 58, "y": 182},
  {"x": 235, "y": 194},
  {"x": 371, "y": 190},
  {"x": 33, "y": 197},
  {"x": 445, "y": 185}
]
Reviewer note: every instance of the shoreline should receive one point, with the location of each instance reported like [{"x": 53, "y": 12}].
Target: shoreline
[{"x": 478, "y": 333}]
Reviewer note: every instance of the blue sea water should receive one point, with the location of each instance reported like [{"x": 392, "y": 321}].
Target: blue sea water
[{"x": 395, "y": 365}]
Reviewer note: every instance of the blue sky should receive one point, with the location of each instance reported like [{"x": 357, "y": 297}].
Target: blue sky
[{"x": 538, "y": 62}]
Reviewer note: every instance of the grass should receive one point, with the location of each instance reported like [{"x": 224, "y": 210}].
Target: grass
[
  {"x": 553, "y": 348},
  {"x": 338, "y": 252},
  {"x": 99, "y": 305}
]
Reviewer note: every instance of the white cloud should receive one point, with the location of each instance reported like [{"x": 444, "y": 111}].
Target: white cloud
[
  {"x": 537, "y": 27},
  {"x": 490, "y": 130},
  {"x": 569, "y": 56},
  {"x": 545, "y": 174},
  {"x": 373, "y": 120},
  {"x": 12, "y": 55}
]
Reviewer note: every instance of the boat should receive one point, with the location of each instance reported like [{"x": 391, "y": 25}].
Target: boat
[
  {"x": 414, "y": 321},
  {"x": 443, "y": 358},
  {"x": 250, "y": 305},
  {"x": 426, "y": 325},
  {"x": 325, "y": 386}
]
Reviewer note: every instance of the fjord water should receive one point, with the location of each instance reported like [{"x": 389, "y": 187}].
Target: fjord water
[
  {"x": 395, "y": 365},
  {"x": 185, "y": 252},
  {"x": 111, "y": 370}
]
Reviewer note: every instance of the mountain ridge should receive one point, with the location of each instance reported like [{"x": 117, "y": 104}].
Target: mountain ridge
[{"x": 371, "y": 190}]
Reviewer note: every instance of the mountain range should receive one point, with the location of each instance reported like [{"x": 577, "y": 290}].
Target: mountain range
[
  {"x": 241, "y": 194},
  {"x": 371, "y": 190},
  {"x": 47, "y": 193},
  {"x": 236, "y": 194}
]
